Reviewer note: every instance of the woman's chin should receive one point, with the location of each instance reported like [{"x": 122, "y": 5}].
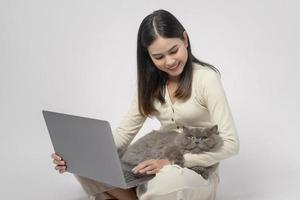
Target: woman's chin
[{"x": 175, "y": 72}]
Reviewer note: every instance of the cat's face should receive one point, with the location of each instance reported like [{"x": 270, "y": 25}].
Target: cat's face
[{"x": 197, "y": 140}]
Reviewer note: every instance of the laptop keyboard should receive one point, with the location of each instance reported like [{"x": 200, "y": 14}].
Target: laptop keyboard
[{"x": 130, "y": 176}]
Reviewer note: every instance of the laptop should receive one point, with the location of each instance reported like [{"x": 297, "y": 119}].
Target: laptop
[{"x": 88, "y": 147}]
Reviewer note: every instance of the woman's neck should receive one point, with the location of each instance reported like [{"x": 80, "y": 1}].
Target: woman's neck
[{"x": 173, "y": 79}]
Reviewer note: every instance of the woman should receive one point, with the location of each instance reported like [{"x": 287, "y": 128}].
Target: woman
[{"x": 179, "y": 90}]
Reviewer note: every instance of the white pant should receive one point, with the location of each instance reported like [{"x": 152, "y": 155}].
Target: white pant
[
  {"x": 170, "y": 183},
  {"x": 175, "y": 183}
]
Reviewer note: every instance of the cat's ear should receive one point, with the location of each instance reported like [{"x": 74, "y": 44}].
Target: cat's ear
[
  {"x": 214, "y": 129},
  {"x": 185, "y": 129}
]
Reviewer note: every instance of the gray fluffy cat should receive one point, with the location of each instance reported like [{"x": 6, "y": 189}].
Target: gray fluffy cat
[{"x": 173, "y": 145}]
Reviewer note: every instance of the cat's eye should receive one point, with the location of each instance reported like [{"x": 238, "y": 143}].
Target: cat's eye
[
  {"x": 204, "y": 138},
  {"x": 193, "y": 137}
]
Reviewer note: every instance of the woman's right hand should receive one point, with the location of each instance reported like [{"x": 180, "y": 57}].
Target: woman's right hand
[{"x": 59, "y": 162}]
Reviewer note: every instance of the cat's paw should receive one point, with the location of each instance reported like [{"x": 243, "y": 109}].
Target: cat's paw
[
  {"x": 180, "y": 163},
  {"x": 205, "y": 174},
  {"x": 201, "y": 170}
]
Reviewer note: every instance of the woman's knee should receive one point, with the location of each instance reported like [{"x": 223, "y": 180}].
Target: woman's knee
[{"x": 123, "y": 194}]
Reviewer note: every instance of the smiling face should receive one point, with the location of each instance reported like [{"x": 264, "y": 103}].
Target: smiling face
[{"x": 169, "y": 55}]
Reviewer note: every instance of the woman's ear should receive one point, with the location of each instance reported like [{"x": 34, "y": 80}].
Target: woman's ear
[{"x": 185, "y": 39}]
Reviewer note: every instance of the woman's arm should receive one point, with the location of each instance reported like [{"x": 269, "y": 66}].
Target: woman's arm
[
  {"x": 211, "y": 93},
  {"x": 129, "y": 126}
]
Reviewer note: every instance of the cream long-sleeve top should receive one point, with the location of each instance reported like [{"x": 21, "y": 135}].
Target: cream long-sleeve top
[{"x": 207, "y": 106}]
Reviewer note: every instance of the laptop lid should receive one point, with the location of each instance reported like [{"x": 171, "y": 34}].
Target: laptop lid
[{"x": 87, "y": 146}]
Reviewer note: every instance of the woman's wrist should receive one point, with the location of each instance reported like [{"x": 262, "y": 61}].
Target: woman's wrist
[{"x": 164, "y": 162}]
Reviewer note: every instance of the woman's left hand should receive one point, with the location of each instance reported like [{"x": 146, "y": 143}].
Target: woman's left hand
[{"x": 150, "y": 166}]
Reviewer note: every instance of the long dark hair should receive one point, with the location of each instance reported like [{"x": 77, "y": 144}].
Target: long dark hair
[{"x": 151, "y": 80}]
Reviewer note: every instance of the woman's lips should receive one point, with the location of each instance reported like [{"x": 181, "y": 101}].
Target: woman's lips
[{"x": 174, "y": 67}]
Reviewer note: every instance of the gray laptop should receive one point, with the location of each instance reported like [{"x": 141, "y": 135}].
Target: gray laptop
[{"x": 89, "y": 150}]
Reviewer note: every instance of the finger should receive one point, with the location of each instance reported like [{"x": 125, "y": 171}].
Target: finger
[
  {"x": 62, "y": 171},
  {"x": 55, "y": 156},
  {"x": 143, "y": 164},
  {"x": 154, "y": 171},
  {"x": 148, "y": 168},
  {"x": 59, "y": 162},
  {"x": 139, "y": 167},
  {"x": 60, "y": 167}
]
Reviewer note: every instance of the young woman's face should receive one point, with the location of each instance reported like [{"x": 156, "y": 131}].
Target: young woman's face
[{"x": 169, "y": 55}]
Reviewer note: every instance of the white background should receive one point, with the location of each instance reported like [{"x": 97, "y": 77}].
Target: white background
[{"x": 79, "y": 57}]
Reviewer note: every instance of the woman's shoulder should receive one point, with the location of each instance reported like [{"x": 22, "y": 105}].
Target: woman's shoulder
[{"x": 204, "y": 73}]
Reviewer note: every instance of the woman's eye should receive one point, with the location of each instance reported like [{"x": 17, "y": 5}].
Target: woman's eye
[
  {"x": 173, "y": 52},
  {"x": 158, "y": 58}
]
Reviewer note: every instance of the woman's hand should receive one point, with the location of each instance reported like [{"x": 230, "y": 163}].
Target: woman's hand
[
  {"x": 150, "y": 166},
  {"x": 60, "y": 163}
]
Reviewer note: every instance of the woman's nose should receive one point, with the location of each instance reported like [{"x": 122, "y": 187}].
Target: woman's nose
[{"x": 170, "y": 62}]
